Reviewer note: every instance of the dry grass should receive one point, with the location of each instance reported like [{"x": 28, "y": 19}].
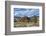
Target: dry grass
[{"x": 25, "y": 24}]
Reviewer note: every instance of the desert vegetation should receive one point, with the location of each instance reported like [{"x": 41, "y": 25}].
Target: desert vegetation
[{"x": 26, "y": 21}]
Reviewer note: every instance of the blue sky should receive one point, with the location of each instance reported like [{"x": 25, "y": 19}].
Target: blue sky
[{"x": 26, "y": 12}]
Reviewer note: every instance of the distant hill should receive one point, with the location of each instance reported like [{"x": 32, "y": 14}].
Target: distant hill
[{"x": 26, "y": 19}]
